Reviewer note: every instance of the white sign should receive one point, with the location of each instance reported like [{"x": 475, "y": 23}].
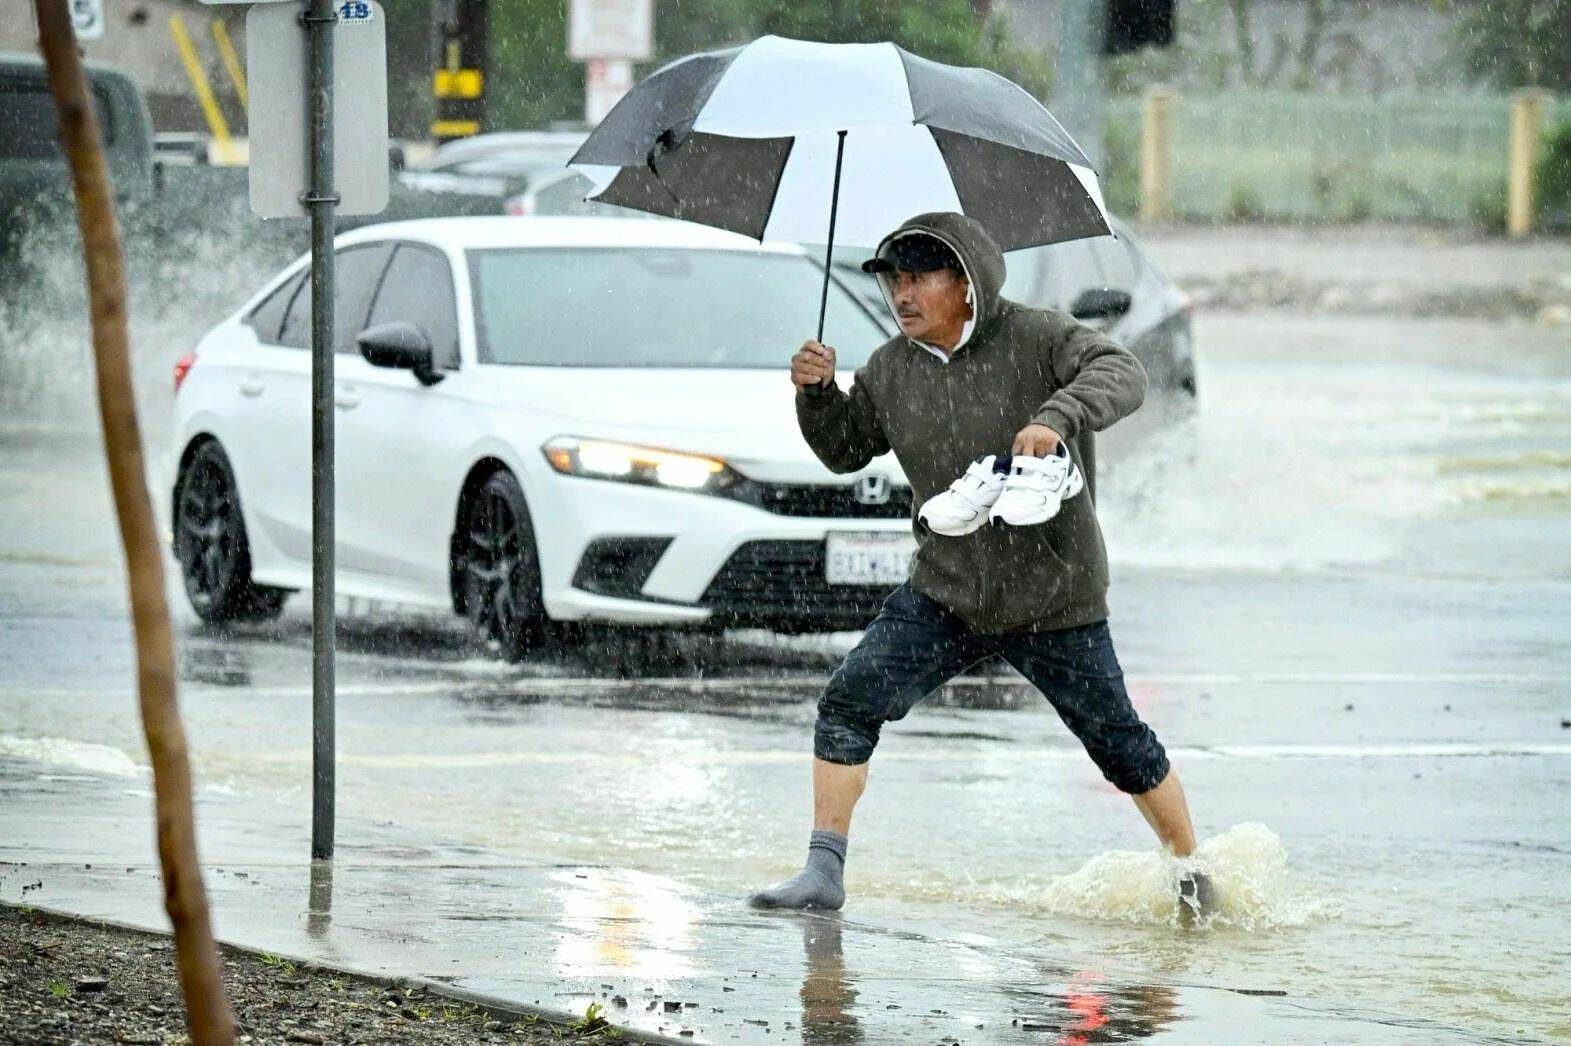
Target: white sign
[
  {"x": 87, "y": 18},
  {"x": 606, "y": 80},
  {"x": 276, "y": 50},
  {"x": 610, "y": 29}
]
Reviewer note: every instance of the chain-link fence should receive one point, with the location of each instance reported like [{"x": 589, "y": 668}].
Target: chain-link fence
[{"x": 1243, "y": 156}]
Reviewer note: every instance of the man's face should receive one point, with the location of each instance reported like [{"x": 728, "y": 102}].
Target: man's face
[{"x": 929, "y": 306}]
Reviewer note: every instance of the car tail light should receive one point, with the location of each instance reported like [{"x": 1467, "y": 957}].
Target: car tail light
[
  {"x": 519, "y": 205},
  {"x": 182, "y": 368}
]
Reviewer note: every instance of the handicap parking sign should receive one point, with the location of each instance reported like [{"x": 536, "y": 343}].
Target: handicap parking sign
[{"x": 87, "y": 18}]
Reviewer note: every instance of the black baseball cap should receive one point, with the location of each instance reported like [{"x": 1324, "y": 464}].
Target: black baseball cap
[{"x": 913, "y": 252}]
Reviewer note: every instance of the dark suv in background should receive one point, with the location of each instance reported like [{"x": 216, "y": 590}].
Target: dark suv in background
[{"x": 32, "y": 165}]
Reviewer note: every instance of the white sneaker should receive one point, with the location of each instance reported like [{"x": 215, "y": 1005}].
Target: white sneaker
[
  {"x": 1035, "y": 489},
  {"x": 962, "y": 507}
]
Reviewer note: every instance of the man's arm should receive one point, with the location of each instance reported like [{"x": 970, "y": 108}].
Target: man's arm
[
  {"x": 1099, "y": 380},
  {"x": 841, "y": 428}
]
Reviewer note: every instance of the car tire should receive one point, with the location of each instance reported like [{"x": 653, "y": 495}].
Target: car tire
[
  {"x": 211, "y": 544},
  {"x": 498, "y": 566}
]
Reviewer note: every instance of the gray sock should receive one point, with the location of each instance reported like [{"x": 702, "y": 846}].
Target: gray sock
[{"x": 819, "y": 883}]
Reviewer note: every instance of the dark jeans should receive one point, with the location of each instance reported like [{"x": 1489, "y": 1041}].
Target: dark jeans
[{"x": 915, "y": 644}]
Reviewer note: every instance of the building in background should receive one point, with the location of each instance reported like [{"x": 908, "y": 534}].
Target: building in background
[{"x": 137, "y": 39}]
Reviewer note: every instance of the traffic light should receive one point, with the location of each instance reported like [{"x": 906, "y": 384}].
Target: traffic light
[
  {"x": 459, "y": 81},
  {"x": 1133, "y": 24}
]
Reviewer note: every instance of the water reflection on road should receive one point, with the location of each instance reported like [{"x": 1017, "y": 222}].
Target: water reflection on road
[{"x": 1343, "y": 603}]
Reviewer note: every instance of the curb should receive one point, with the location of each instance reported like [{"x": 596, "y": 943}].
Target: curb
[{"x": 494, "y": 1005}]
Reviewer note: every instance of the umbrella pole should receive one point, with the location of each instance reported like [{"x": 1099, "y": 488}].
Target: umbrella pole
[{"x": 829, "y": 257}]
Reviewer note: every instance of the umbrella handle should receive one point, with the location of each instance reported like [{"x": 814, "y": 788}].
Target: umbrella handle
[{"x": 829, "y": 257}]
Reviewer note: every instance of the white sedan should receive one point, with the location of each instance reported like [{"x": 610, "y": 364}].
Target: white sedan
[{"x": 539, "y": 419}]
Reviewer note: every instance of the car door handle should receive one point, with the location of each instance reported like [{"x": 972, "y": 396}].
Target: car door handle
[
  {"x": 252, "y": 387},
  {"x": 346, "y": 399}
]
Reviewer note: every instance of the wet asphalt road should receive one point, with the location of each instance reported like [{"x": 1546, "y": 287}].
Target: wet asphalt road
[{"x": 1342, "y": 597}]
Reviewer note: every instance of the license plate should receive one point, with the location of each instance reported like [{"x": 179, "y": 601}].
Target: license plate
[{"x": 868, "y": 559}]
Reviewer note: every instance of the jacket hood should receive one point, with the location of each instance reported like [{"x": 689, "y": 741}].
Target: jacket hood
[{"x": 978, "y": 252}]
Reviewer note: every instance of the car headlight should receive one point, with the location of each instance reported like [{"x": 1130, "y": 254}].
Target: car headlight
[{"x": 629, "y": 463}]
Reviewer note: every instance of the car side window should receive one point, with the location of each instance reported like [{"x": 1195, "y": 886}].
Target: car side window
[
  {"x": 418, "y": 289},
  {"x": 1078, "y": 272},
  {"x": 1022, "y": 270},
  {"x": 1113, "y": 262},
  {"x": 359, "y": 272},
  {"x": 355, "y": 274},
  {"x": 268, "y": 317},
  {"x": 565, "y": 196}
]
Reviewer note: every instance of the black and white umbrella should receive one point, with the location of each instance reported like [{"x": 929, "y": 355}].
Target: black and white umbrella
[{"x": 771, "y": 138}]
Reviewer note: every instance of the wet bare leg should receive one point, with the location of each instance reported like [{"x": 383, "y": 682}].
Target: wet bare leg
[
  {"x": 836, "y": 789},
  {"x": 1167, "y": 812},
  {"x": 820, "y": 883}
]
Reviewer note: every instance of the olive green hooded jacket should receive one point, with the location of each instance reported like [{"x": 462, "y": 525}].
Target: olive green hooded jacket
[{"x": 1019, "y": 365}]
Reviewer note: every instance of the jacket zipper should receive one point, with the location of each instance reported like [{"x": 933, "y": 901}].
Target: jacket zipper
[
  {"x": 949, "y": 392},
  {"x": 982, "y": 602},
  {"x": 954, "y": 449}
]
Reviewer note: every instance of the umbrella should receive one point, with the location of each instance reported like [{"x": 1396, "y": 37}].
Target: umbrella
[{"x": 765, "y": 138}]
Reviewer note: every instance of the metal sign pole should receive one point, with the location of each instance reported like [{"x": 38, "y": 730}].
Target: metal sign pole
[
  {"x": 319, "y": 21},
  {"x": 322, "y": 152}
]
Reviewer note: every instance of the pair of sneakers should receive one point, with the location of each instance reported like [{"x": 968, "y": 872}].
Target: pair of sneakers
[{"x": 1003, "y": 490}]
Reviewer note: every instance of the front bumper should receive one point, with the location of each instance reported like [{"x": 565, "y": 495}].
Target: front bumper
[{"x": 645, "y": 555}]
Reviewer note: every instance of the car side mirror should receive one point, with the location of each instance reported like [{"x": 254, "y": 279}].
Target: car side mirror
[
  {"x": 1101, "y": 303},
  {"x": 401, "y": 345}
]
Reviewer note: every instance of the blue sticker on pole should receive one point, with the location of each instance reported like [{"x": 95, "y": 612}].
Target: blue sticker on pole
[{"x": 354, "y": 11}]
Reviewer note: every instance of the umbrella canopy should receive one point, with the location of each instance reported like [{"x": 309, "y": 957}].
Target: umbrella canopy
[{"x": 772, "y": 138}]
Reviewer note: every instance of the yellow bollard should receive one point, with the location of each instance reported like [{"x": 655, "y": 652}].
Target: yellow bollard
[
  {"x": 224, "y": 149},
  {"x": 1156, "y": 155},
  {"x": 226, "y": 51},
  {"x": 1527, "y": 119}
]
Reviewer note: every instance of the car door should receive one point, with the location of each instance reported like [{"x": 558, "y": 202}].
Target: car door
[
  {"x": 276, "y": 434},
  {"x": 267, "y": 428},
  {"x": 400, "y": 440}
]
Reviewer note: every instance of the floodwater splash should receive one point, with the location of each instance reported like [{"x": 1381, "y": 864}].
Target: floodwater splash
[
  {"x": 1176, "y": 501},
  {"x": 1292, "y": 469},
  {"x": 1247, "y": 865},
  {"x": 61, "y": 752},
  {"x": 186, "y": 268},
  {"x": 1256, "y": 891}
]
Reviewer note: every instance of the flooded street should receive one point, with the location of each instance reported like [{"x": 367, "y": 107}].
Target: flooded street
[{"x": 1341, "y": 595}]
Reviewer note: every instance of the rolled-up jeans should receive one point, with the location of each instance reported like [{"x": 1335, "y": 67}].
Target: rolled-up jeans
[{"x": 915, "y": 644}]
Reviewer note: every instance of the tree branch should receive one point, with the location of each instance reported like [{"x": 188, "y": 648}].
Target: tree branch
[{"x": 209, "y": 1017}]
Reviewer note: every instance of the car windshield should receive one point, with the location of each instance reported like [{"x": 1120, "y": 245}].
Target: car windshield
[
  {"x": 658, "y": 307},
  {"x": 28, "y": 127}
]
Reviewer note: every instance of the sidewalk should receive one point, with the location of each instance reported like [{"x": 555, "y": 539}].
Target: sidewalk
[
  {"x": 1411, "y": 256},
  {"x": 666, "y": 962},
  {"x": 1373, "y": 269}
]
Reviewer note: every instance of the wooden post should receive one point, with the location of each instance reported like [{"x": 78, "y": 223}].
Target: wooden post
[
  {"x": 1156, "y": 155},
  {"x": 210, "y": 1020},
  {"x": 1527, "y": 120}
]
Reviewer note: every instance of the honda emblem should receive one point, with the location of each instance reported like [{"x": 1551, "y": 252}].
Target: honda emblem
[{"x": 872, "y": 490}]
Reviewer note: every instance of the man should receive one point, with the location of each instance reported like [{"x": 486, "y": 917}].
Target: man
[{"x": 970, "y": 375}]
